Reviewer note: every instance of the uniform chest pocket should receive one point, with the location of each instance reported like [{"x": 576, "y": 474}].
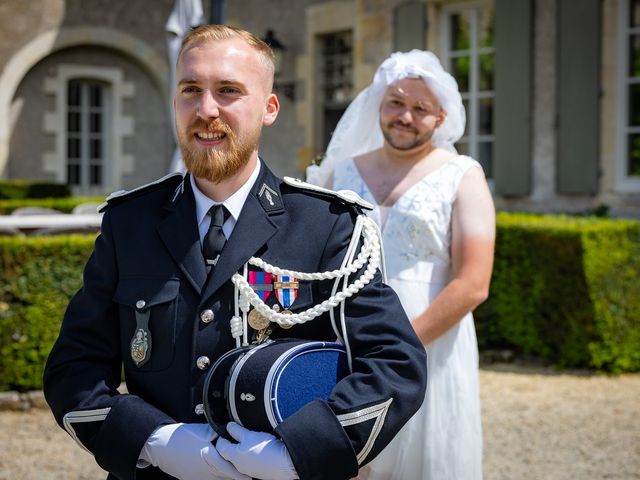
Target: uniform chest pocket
[{"x": 148, "y": 318}]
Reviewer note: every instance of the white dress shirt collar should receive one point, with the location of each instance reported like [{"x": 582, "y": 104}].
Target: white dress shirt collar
[{"x": 233, "y": 204}]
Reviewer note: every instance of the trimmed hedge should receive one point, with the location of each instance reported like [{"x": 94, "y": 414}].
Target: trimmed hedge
[
  {"x": 64, "y": 205},
  {"x": 39, "y": 276},
  {"x": 566, "y": 289},
  {"x": 32, "y": 189}
]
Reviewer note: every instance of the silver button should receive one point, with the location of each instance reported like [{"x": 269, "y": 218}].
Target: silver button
[
  {"x": 140, "y": 304},
  {"x": 203, "y": 362},
  {"x": 199, "y": 409},
  {"x": 206, "y": 316}
]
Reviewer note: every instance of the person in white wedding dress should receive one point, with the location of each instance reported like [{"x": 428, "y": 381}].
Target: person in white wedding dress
[{"x": 394, "y": 147}]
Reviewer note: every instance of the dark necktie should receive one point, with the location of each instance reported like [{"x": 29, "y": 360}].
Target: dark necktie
[{"x": 214, "y": 240}]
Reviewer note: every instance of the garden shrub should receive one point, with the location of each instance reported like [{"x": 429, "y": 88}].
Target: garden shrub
[
  {"x": 64, "y": 205},
  {"x": 39, "y": 276},
  {"x": 566, "y": 289},
  {"x": 32, "y": 189}
]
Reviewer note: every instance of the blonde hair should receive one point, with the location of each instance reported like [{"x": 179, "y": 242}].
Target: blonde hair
[{"x": 216, "y": 33}]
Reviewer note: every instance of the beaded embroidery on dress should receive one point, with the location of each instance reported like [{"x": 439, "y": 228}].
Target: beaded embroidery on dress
[{"x": 443, "y": 440}]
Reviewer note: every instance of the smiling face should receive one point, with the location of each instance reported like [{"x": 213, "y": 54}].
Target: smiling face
[
  {"x": 222, "y": 100},
  {"x": 409, "y": 114}
]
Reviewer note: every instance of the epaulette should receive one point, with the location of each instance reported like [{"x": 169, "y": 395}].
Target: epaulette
[
  {"x": 122, "y": 195},
  {"x": 346, "y": 196}
]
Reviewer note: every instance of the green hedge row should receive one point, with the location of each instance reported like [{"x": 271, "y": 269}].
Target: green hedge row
[
  {"x": 64, "y": 204},
  {"x": 39, "y": 276},
  {"x": 32, "y": 189},
  {"x": 565, "y": 289}
]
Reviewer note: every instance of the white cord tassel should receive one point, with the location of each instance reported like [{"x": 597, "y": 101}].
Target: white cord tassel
[
  {"x": 383, "y": 267},
  {"x": 348, "y": 258},
  {"x": 370, "y": 251},
  {"x": 236, "y": 329},
  {"x": 236, "y": 321},
  {"x": 244, "y": 306}
]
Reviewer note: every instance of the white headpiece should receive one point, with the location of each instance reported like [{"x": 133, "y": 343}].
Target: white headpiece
[{"x": 358, "y": 131}]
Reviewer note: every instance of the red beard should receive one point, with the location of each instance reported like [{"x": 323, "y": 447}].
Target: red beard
[{"x": 215, "y": 164}]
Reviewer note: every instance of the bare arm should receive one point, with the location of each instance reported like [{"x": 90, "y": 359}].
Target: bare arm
[{"x": 472, "y": 244}]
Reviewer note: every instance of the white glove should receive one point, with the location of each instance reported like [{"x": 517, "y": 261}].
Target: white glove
[
  {"x": 258, "y": 454},
  {"x": 185, "y": 451}
]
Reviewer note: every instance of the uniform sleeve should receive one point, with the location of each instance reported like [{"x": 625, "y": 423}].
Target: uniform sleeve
[
  {"x": 332, "y": 439},
  {"x": 83, "y": 371}
]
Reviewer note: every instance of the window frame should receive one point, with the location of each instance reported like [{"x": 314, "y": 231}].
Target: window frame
[
  {"x": 118, "y": 125},
  {"x": 624, "y": 182},
  {"x": 327, "y": 105},
  {"x": 85, "y": 161},
  {"x": 472, "y": 137}
]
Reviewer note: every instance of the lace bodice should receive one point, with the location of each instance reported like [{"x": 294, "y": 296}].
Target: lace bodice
[{"x": 417, "y": 227}]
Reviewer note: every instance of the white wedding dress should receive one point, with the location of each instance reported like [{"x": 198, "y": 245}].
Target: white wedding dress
[{"x": 443, "y": 440}]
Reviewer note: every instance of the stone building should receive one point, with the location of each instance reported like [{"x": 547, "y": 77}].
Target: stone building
[{"x": 551, "y": 88}]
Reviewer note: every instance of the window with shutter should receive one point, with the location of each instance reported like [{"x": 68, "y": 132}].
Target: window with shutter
[
  {"x": 469, "y": 55},
  {"x": 336, "y": 78},
  {"x": 628, "y": 158},
  {"x": 85, "y": 134}
]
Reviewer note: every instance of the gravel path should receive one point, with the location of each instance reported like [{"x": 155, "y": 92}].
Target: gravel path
[
  {"x": 541, "y": 425},
  {"x": 538, "y": 425}
]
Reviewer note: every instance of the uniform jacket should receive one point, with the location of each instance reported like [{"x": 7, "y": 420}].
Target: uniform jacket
[{"x": 148, "y": 258}]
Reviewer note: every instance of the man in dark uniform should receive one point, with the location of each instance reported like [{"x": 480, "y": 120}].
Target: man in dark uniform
[{"x": 153, "y": 301}]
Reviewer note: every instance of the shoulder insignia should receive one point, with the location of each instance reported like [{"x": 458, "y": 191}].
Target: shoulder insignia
[
  {"x": 122, "y": 195},
  {"x": 347, "y": 196},
  {"x": 269, "y": 199}
]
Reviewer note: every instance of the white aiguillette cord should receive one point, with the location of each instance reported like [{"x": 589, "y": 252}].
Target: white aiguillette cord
[{"x": 370, "y": 254}]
